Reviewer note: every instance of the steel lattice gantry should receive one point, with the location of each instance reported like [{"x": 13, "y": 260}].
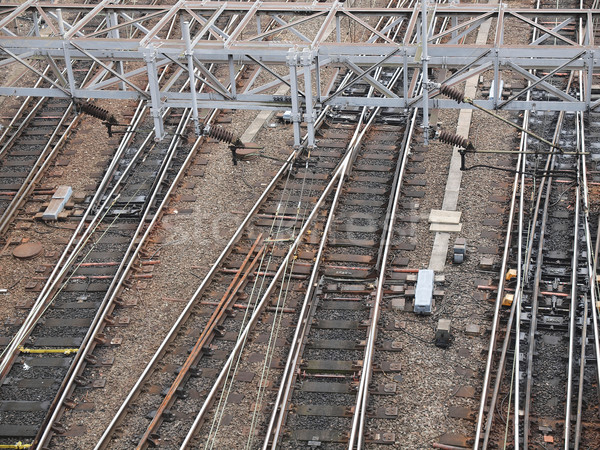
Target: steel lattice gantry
[{"x": 282, "y": 40}]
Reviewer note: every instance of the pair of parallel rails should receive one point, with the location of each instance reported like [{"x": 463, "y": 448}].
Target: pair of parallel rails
[{"x": 543, "y": 360}]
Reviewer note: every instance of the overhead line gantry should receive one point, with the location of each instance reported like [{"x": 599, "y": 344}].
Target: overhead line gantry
[{"x": 42, "y": 31}]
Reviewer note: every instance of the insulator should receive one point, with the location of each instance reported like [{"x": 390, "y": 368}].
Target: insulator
[
  {"x": 97, "y": 112},
  {"x": 220, "y": 134},
  {"x": 452, "y": 93},
  {"x": 454, "y": 139}
]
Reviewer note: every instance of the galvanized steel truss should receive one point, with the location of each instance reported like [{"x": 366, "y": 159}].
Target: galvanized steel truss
[{"x": 291, "y": 51}]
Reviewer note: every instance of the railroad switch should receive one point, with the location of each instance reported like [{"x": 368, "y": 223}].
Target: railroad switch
[
  {"x": 460, "y": 250},
  {"x": 443, "y": 334}
]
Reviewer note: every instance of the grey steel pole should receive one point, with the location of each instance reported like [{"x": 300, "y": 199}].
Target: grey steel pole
[
  {"x": 189, "y": 53},
  {"x": 424, "y": 60}
]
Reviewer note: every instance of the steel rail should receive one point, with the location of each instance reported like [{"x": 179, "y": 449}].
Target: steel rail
[
  {"x": 584, "y": 326},
  {"x": 142, "y": 232},
  {"x": 518, "y": 293},
  {"x": 339, "y": 172},
  {"x": 518, "y": 183},
  {"x": 278, "y": 310},
  {"x": 495, "y": 323},
  {"x": 169, "y": 398},
  {"x": 261, "y": 304},
  {"x": 547, "y": 181},
  {"x": 23, "y": 124},
  {"x": 591, "y": 268},
  {"x": 104, "y": 439},
  {"x": 572, "y": 327},
  {"x": 516, "y": 305},
  {"x": 46, "y": 157},
  {"x": 582, "y": 195},
  {"x": 187, "y": 311},
  {"x": 133, "y": 250},
  {"x": 68, "y": 257},
  {"x": 299, "y": 333},
  {"x": 47, "y": 154},
  {"x": 74, "y": 245},
  {"x": 574, "y": 298},
  {"x": 498, "y": 304},
  {"x": 107, "y": 304},
  {"x": 359, "y": 419},
  {"x": 592, "y": 261},
  {"x": 284, "y": 392}
]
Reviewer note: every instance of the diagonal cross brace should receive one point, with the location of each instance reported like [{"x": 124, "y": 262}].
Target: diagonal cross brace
[
  {"x": 540, "y": 80},
  {"x": 361, "y": 75},
  {"x": 85, "y": 19},
  {"x": 542, "y": 28},
  {"x": 34, "y": 70},
  {"x": 558, "y": 27},
  {"x": 116, "y": 74},
  {"x": 284, "y": 24},
  {"x": 218, "y": 86},
  {"x": 547, "y": 86},
  {"x": 372, "y": 81},
  {"x": 16, "y": 12},
  {"x": 209, "y": 25}
]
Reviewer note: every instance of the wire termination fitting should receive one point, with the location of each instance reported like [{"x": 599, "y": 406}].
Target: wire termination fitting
[
  {"x": 458, "y": 141},
  {"x": 220, "y": 134},
  {"x": 452, "y": 93},
  {"x": 223, "y": 135},
  {"x": 97, "y": 112}
]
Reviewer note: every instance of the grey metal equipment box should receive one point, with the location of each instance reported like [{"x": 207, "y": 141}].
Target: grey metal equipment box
[
  {"x": 460, "y": 250},
  {"x": 424, "y": 292},
  {"x": 57, "y": 204},
  {"x": 443, "y": 334}
]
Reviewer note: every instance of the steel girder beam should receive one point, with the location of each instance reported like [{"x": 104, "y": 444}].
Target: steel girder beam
[{"x": 288, "y": 45}]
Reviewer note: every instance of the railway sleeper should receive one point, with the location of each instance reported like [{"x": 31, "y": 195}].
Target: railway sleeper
[
  {"x": 384, "y": 412},
  {"x": 335, "y": 344},
  {"x": 349, "y": 274},
  {"x": 331, "y": 366},
  {"x": 316, "y": 437},
  {"x": 343, "y": 288}
]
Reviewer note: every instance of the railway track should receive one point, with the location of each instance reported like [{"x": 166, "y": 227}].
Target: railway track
[
  {"x": 74, "y": 298},
  {"x": 318, "y": 250},
  {"x": 550, "y": 331},
  {"x": 196, "y": 352},
  {"x": 80, "y": 294},
  {"x": 32, "y": 141},
  {"x": 248, "y": 276},
  {"x": 97, "y": 262},
  {"x": 318, "y": 394},
  {"x": 26, "y": 157}
]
